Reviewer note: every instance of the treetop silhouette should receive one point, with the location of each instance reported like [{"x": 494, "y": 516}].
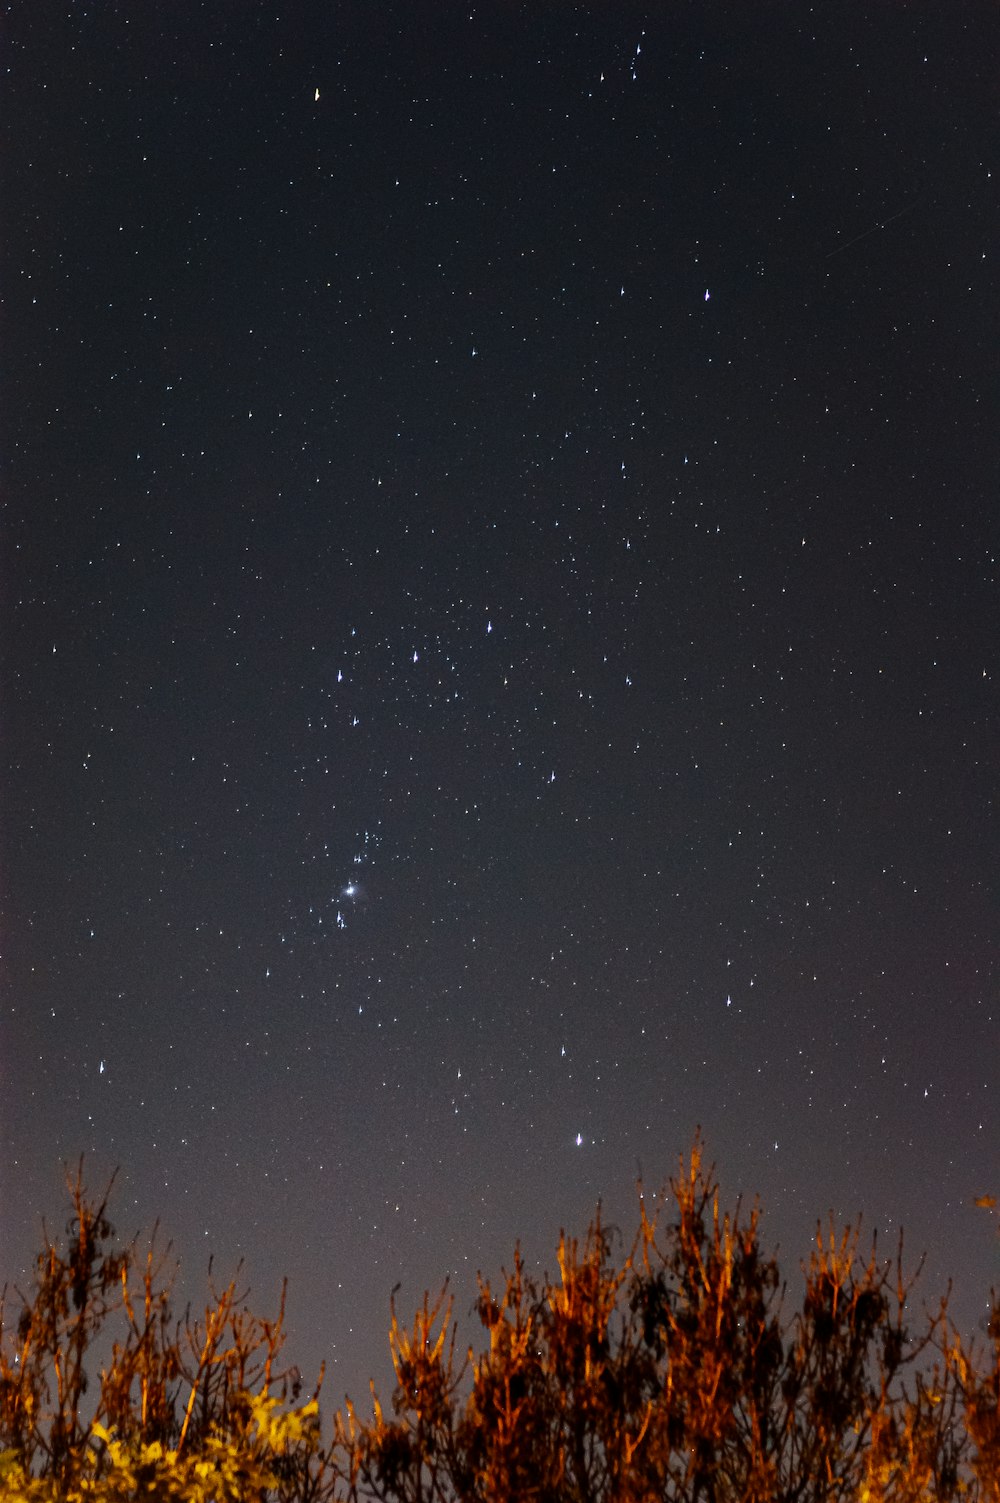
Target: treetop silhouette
[{"x": 669, "y": 1367}]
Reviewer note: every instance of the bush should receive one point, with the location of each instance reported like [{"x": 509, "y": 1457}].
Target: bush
[
  {"x": 669, "y": 1371},
  {"x": 196, "y": 1409}
]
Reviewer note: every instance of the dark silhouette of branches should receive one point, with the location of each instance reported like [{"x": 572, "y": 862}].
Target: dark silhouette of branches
[
  {"x": 101, "y": 1389},
  {"x": 674, "y": 1372},
  {"x": 666, "y": 1368}
]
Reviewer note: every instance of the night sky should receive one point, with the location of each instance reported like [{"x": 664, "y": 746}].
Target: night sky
[{"x": 500, "y": 633}]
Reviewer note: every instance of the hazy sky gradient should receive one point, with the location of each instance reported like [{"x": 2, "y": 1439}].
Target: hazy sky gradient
[{"x": 500, "y": 647}]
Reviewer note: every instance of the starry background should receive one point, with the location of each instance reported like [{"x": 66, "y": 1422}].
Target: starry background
[{"x": 500, "y": 557}]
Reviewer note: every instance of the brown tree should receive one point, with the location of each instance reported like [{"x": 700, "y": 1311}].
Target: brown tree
[
  {"x": 104, "y": 1395},
  {"x": 674, "y": 1373},
  {"x": 667, "y": 1368}
]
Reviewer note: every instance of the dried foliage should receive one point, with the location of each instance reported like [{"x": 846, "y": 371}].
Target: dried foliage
[
  {"x": 674, "y": 1373},
  {"x": 669, "y": 1371},
  {"x": 104, "y": 1395}
]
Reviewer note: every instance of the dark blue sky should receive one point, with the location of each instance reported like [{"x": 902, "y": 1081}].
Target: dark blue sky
[{"x": 500, "y": 646}]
